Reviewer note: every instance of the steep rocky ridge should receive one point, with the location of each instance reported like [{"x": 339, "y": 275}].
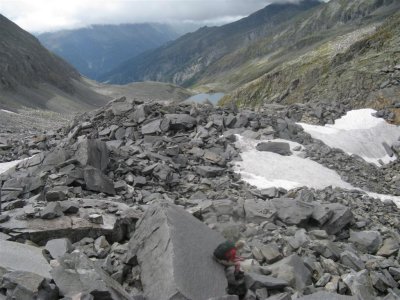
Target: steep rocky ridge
[
  {"x": 359, "y": 68},
  {"x": 184, "y": 59},
  {"x": 31, "y": 76},
  {"x": 332, "y": 51}
]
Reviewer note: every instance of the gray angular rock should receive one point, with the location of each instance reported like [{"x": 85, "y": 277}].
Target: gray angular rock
[
  {"x": 121, "y": 106},
  {"x": 24, "y": 285},
  {"x": 152, "y": 127},
  {"x": 257, "y": 211},
  {"x": 92, "y": 153},
  {"x": 180, "y": 121},
  {"x": 76, "y": 274},
  {"x": 20, "y": 257},
  {"x": 256, "y": 281},
  {"x": 96, "y": 181},
  {"x": 51, "y": 211},
  {"x": 352, "y": 261},
  {"x": 140, "y": 113},
  {"x": 327, "y": 296},
  {"x": 275, "y": 147},
  {"x": 270, "y": 252},
  {"x": 207, "y": 171},
  {"x": 281, "y": 296},
  {"x": 58, "y": 247},
  {"x": 292, "y": 212},
  {"x": 390, "y": 246},
  {"x": 360, "y": 285},
  {"x": 227, "y": 297},
  {"x": 293, "y": 270},
  {"x": 58, "y": 193},
  {"x": 341, "y": 217},
  {"x": 367, "y": 241},
  {"x": 165, "y": 243}
]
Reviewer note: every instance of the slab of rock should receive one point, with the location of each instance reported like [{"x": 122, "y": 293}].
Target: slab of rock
[
  {"x": 327, "y": 296},
  {"x": 166, "y": 244},
  {"x": 341, "y": 217},
  {"x": 292, "y": 212},
  {"x": 293, "y": 270},
  {"x": 58, "y": 247},
  {"x": 360, "y": 285},
  {"x": 390, "y": 246},
  {"x": 270, "y": 252},
  {"x": 96, "y": 181},
  {"x": 152, "y": 127},
  {"x": 367, "y": 241},
  {"x": 280, "y": 148},
  {"x": 257, "y": 211},
  {"x": 92, "y": 153},
  {"x": 20, "y": 257},
  {"x": 77, "y": 226},
  {"x": 256, "y": 281},
  {"x": 76, "y": 273},
  {"x": 352, "y": 260},
  {"x": 207, "y": 171},
  {"x": 24, "y": 285},
  {"x": 180, "y": 121}
]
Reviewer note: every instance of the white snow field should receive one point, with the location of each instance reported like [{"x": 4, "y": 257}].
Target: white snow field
[
  {"x": 358, "y": 132},
  {"x": 267, "y": 169}
]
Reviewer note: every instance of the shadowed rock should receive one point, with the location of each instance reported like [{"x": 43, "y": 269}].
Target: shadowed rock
[{"x": 174, "y": 251}]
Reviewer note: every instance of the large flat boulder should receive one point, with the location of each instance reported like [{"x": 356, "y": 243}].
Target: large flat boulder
[
  {"x": 116, "y": 219},
  {"x": 174, "y": 251},
  {"x": 20, "y": 257},
  {"x": 293, "y": 212}
]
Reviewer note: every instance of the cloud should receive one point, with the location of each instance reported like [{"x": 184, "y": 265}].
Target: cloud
[{"x": 51, "y": 15}]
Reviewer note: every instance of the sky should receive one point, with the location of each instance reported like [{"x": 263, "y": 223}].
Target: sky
[{"x": 38, "y": 16}]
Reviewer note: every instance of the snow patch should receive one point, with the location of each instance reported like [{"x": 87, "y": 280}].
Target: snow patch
[
  {"x": 267, "y": 169},
  {"x": 360, "y": 133}
]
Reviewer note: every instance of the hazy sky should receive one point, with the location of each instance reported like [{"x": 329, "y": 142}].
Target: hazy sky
[{"x": 50, "y": 15}]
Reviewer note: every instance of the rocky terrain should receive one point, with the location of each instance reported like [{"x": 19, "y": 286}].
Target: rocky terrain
[
  {"x": 129, "y": 201},
  {"x": 305, "y": 51},
  {"x": 32, "y": 77}
]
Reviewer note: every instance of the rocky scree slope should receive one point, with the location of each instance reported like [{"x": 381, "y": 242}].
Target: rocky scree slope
[
  {"x": 120, "y": 193},
  {"x": 360, "y": 68},
  {"x": 31, "y": 76}
]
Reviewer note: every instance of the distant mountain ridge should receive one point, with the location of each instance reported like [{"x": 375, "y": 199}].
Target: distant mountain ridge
[
  {"x": 286, "y": 53},
  {"x": 181, "y": 61},
  {"x": 99, "y": 48},
  {"x": 31, "y": 76}
]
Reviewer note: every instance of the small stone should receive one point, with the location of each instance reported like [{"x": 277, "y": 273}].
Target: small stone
[{"x": 96, "y": 218}]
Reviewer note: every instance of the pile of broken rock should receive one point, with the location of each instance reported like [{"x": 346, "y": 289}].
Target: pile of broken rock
[{"x": 131, "y": 200}]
